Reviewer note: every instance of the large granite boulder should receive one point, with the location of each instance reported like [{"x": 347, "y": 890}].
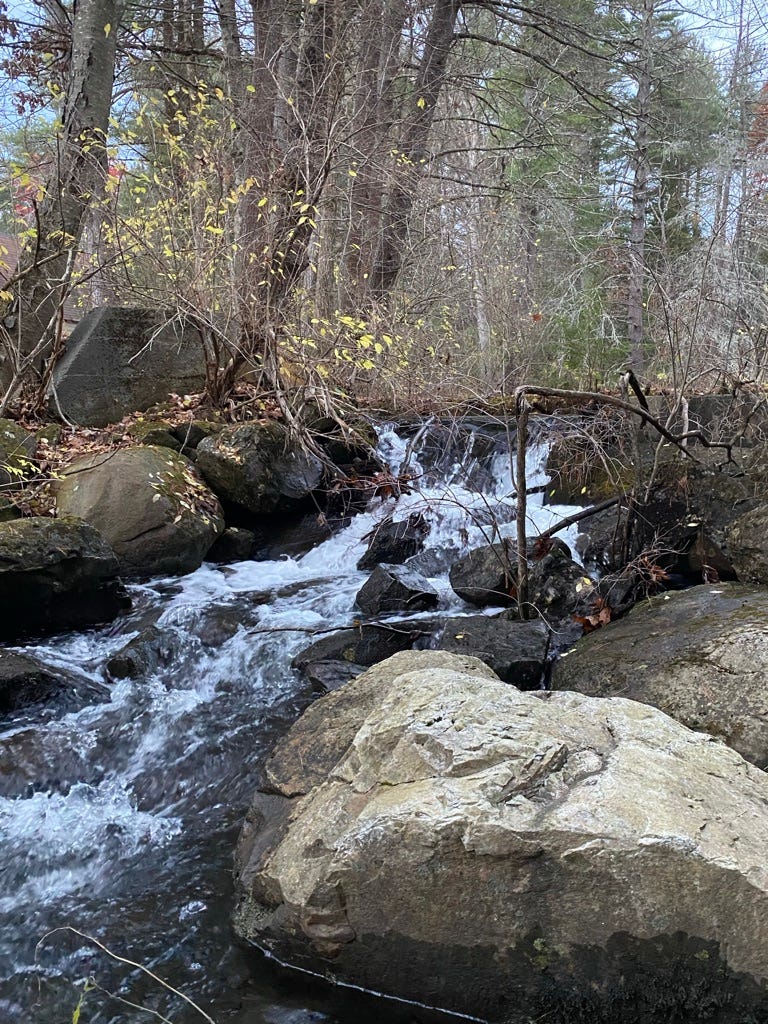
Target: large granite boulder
[
  {"x": 149, "y": 503},
  {"x": 17, "y": 450},
  {"x": 433, "y": 834},
  {"x": 55, "y": 574},
  {"x": 701, "y": 655},
  {"x": 120, "y": 360},
  {"x": 258, "y": 467}
]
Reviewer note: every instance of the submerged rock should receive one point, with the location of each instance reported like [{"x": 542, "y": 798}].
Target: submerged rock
[
  {"x": 431, "y": 833},
  {"x": 55, "y": 574},
  {"x": 141, "y": 656},
  {"x": 149, "y": 503}
]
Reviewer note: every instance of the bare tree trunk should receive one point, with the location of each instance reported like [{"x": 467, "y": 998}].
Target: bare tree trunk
[
  {"x": 414, "y": 153},
  {"x": 46, "y": 268},
  {"x": 640, "y": 175},
  {"x": 284, "y": 141}
]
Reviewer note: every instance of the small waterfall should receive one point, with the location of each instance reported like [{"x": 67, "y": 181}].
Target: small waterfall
[{"x": 119, "y": 819}]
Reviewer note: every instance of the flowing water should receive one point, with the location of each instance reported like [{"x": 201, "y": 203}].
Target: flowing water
[{"x": 118, "y": 818}]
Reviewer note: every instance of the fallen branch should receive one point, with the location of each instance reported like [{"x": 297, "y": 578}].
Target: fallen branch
[{"x": 584, "y": 514}]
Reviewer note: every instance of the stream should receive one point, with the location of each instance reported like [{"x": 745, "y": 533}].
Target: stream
[{"x": 119, "y": 818}]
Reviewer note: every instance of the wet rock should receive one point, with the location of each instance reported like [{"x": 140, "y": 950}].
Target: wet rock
[
  {"x": 149, "y": 503},
  {"x": 515, "y": 651},
  {"x": 487, "y": 575},
  {"x": 290, "y": 535},
  {"x": 141, "y": 656},
  {"x": 17, "y": 450},
  {"x": 437, "y": 835},
  {"x": 395, "y": 589},
  {"x": 700, "y": 655},
  {"x": 25, "y": 681},
  {"x": 120, "y": 360},
  {"x": 258, "y": 467},
  {"x": 234, "y": 544},
  {"x": 365, "y": 644},
  {"x": 394, "y": 542},
  {"x": 55, "y": 574},
  {"x": 329, "y": 675}
]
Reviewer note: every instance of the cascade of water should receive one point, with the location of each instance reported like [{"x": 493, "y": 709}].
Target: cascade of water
[{"x": 119, "y": 818}]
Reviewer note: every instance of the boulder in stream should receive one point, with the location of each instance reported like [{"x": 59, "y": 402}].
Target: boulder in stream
[
  {"x": 394, "y": 542},
  {"x": 392, "y": 588},
  {"x": 360, "y": 647},
  {"x": 433, "y": 834},
  {"x": 701, "y": 655},
  {"x": 149, "y": 503},
  {"x": 25, "y": 681},
  {"x": 55, "y": 574},
  {"x": 487, "y": 576},
  {"x": 516, "y": 651}
]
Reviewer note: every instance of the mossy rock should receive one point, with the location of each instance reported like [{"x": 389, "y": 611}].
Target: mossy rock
[
  {"x": 258, "y": 467},
  {"x": 155, "y": 433},
  {"x": 149, "y": 503},
  {"x": 55, "y": 574}
]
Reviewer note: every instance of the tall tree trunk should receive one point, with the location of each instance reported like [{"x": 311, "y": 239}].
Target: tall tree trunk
[
  {"x": 414, "y": 154},
  {"x": 46, "y": 267},
  {"x": 640, "y": 176}
]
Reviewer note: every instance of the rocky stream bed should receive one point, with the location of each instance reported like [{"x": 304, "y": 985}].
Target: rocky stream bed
[{"x": 425, "y": 830}]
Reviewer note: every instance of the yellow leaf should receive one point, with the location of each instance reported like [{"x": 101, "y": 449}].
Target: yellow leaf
[
  {"x": 250, "y": 88},
  {"x": 351, "y": 173},
  {"x": 107, "y": 29},
  {"x": 263, "y": 201},
  {"x": 421, "y": 103}
]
